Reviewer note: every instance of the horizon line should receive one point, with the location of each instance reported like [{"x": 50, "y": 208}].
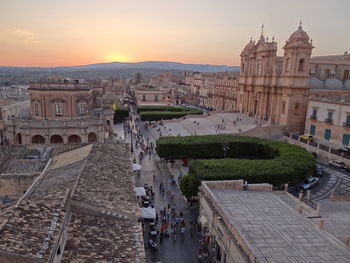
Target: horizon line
[{"x": 98, "y": 63}]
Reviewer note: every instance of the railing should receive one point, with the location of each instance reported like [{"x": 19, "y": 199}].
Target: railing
[
  {"x": 330, "y": 121},
  {"x": 313, "y": 117},
  {"x": 346, "y": 124}
]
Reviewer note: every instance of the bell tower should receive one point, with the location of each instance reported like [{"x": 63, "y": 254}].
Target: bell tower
[
  {"x": 296, "y": 59},
  {"x": 294, "y": 79}
]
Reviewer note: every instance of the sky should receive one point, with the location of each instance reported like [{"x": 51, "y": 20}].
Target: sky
[{"x": 79, "y": 32}]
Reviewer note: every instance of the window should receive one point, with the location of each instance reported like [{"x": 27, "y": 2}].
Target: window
[
  {"x": 242, "y": 68},
  {"x": 312, "y": 130},
  {"x": 301, "y": 65},
  {"x": 347, "y": 123},
  {"x": 327, "y": 73},
  {"x": 82, "y": 108},
  {"x": 327, "y": 134},
  {"x": 330, "y": 116},
  {"x": 314, "y": 114},
  {"x": 288, "y": 65},
  {"x": 156, "y": 97},
  {"x": 36, "y": 109},
  {"x": 346, "y": 139},
  {"x": 346, "y": 74},
  {"x": 143, "y": 98},
  {"x": 58, "y": 109}
]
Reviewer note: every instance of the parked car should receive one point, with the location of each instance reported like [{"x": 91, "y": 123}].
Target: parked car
[
  {"x": 337, "y": 164},
  {"x": 310, "y": 182},
  {"x": 344, "y": 149},
  {"x": 318, "y": 172},
  {"x": 307, "y": 137}
]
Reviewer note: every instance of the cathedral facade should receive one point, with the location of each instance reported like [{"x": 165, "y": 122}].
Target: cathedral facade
[{"x": 272, "y": 88}]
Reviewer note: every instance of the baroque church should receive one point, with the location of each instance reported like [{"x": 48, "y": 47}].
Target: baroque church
[{"x": 274, "y": 88}]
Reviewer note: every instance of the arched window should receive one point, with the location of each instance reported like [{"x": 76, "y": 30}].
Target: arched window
[
  {"x": 242, "y": 68},
  {"x": 301, "y": 65}
]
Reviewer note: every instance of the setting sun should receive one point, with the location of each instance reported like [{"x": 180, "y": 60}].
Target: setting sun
[{"x": 117, "y": 58}]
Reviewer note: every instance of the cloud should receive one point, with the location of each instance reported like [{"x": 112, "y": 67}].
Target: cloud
[
  {"x": 21, "y": 32},
  {"x": 27, "y": 37}
]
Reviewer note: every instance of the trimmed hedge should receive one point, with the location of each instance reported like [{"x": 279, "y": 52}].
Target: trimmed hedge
[
  {"x": 162, "y": 108},
  {"x": 165, "y": 115},
  {"x": 120, "y": 114},
  {"x": 274, "y": 162}
]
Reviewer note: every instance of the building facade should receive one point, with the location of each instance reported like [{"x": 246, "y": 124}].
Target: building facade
[
  {"x": 62, "y": 111},
  {"x": 147, "y": 94},
  {"x": 276, "y": 88},
  {"x": 328, "y": 118},
  {"x": 223, "y": 94}
]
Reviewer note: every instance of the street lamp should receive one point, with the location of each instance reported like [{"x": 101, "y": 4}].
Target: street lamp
[
  {"x": 132, "y": 148},
  {"x": 225, "y": 147}
]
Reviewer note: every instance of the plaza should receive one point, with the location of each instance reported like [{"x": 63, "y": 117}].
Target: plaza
[{"x": 212, "y": 123}]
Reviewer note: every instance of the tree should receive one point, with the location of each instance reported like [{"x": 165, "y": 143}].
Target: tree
[{"x": 137, "y": 78}]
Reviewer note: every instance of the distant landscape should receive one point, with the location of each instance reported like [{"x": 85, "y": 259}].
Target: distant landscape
[{"x": 124, "y": 70}]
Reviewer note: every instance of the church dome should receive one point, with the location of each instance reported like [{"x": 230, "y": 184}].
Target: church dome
[
  {"x": 299, "y": 35},
  {"x": 347, "y": 84},
  {"x": 315, "y": 83},
  {"x": 333, "y": 84}
]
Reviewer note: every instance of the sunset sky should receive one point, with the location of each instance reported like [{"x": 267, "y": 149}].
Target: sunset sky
[{"x": 77, "y": 32}]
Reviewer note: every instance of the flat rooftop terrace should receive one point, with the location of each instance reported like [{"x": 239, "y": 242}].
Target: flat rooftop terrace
[{"x": 275, "y": 232}]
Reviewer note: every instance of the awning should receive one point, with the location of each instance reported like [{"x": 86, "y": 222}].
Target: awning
[
  {"x": 204, "y": 221},
  {"x": 148, "y": 212},
  {"x": 140, "y": 191},
  {"x": 136, "y": 167}
]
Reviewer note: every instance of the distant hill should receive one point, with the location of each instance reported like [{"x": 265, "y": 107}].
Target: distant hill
[
  {"x": 164, "y": 65},
  {"x": 21, "y": 75}
]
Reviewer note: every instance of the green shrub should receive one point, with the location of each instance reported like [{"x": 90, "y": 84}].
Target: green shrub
[
  {"x": 162, "y": 108},
  {"x": 166, "y": 115},
  {"x": 273, "y": 162}
]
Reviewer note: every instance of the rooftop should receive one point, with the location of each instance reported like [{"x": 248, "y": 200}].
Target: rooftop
[
  {"x": 97, "y": 180},
  {"x": 273, "y": 231}
]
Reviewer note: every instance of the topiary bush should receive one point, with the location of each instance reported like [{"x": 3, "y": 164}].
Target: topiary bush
[
  {"x": 272, "y": 162},
  {"x": 157, "y": 113},
  {"x": 162, "y": 108}
]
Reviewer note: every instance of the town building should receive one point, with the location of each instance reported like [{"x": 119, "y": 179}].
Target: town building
[
  {"x": 19, "y": 167},
  {"x": 15, "y": 93},
  {"x": 328, "y": 118},
  {"x": 12, "y": 109},
  {"x": 82, "y": 208},
  {"x": 276, "y": 89},
  {"x": 63, "y": 111},
  {"x": 147, "y": 94},
  {"x": 252, "y": 223},
  {"x": 223, "y": 94}
]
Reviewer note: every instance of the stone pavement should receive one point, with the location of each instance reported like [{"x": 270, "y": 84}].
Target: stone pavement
[{"x": 207, "y": 125}]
